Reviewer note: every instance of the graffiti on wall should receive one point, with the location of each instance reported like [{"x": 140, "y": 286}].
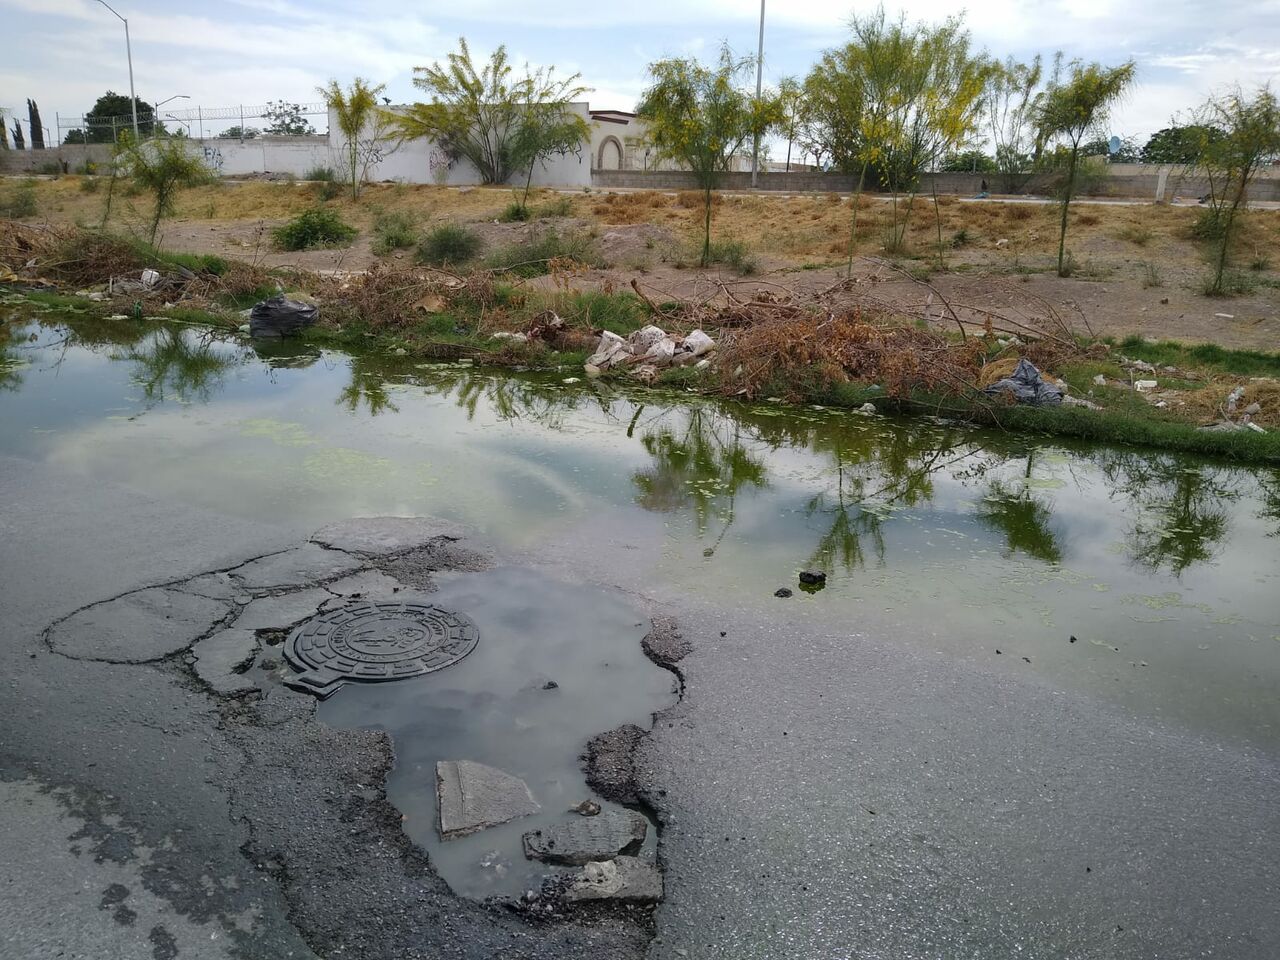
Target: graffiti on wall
[{"x": 213, "y": 159}]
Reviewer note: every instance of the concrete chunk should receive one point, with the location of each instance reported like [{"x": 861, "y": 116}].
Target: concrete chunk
[
  {"x": 221, "y": 657},
  {"x": 624, "y": 880},
  {"x": 276, "y": 613},
  {"x": 584, "y": 839},
  {"x": 473, "y": 797}
]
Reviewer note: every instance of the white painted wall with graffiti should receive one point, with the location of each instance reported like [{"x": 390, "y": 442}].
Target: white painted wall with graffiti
[{"x": 413, "y": 161}]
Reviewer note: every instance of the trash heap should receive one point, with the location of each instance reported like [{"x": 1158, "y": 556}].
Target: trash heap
[{"x": 648, "y": 351}]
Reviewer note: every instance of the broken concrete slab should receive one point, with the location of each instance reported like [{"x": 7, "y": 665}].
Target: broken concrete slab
[
  {"x": 624, "y": 880},
  {"x": 276, "y": 613},
  {"x": 222, "y": 658},
  {"x": 137, "y": 627},
  {"x": 302, "y": 566},
  {"x": 381, "y": 536},
  {"x": 586, "y": 839},
  {"x": 368, "y": 585},
  {"x": 473, "y": 797},
  {"x": 218, "y": 586},
  {"x": 609, "y": 763}
]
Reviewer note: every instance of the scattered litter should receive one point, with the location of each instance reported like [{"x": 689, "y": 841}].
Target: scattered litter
[
  {"x": 648, "y": 350},
  {"x": 150, "y": 278},
  {"x": 1145, "y": 386},
  {"x": 508, "y": 335},
  {"x": 1100, "y": 380},
  {"x": 1225, "y": 316}
]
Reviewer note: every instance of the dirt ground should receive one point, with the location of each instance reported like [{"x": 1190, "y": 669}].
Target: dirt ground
[{"x": 1139, "y": 270}]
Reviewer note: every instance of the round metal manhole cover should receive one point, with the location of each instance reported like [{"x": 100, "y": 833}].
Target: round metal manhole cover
[{"x": 373, "y": 642}]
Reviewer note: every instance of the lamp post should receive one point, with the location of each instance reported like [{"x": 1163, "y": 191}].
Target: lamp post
[
  {"x": 755, "y": 150},
  {"x": 133, "y": 97},
  {"x": 161, "y": 103}
]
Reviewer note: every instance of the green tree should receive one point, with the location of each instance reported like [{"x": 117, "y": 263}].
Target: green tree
[
  {"x": 286, "y": 119},
  {"x": 1012, "y": 102},
  {"x": 1073, "y": 108},
  {"x": 1126, "y": 151},
  {"x": 161, "y": 166},
  {"x": 481, "y": 115},
  {"x": 794, "y": 107},
  {"x": 37, "y": 127},
  {"x": 701, "y": 116},
  {"x": 1179, "y": 144},
  {"x": 362, "y": 124},
  {"x": 1251, "y": 139},
  {"x": 111, "y": 115},
  {"x": 239, "y": 133},
  {"x": 546, "y": 130},
  {"x": 969, "y": 161}
]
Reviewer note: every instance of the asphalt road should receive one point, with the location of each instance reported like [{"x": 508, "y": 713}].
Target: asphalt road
[{"x": 828, "y": 790}]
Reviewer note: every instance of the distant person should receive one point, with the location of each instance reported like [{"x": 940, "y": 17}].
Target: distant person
[{"x": 983, "y": 193}]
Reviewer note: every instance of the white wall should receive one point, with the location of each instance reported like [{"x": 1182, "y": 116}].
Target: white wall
[{"x": 413, "y": 161}]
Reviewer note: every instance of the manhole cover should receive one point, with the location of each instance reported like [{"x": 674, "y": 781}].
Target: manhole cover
[{"x": 372, "y": 642}]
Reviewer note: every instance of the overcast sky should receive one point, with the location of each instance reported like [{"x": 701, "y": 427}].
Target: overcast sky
[{"x": 65, "y": 53}]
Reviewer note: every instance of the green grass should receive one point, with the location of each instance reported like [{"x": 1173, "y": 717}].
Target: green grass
[
  {"x": 735, "y": 255},
  {"x": 313, "y": 229},
  {"x": 533, "y": 257},
  {"x": 1208, "y": 356},
  {"x": 449, "y": 244},
  {"x": 19, "y": 200},
  {"x": 620, "y": 313},
  {"x": 514, "y": 212},
  {"x": 393, "y": 230}
]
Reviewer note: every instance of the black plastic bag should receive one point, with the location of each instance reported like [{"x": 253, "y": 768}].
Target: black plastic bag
[
  {"x": 1027, "y": 386},
  {"x": 280, "y": 317}
]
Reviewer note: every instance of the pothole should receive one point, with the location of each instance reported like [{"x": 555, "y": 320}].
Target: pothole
[{"x": 373, "y": 642}]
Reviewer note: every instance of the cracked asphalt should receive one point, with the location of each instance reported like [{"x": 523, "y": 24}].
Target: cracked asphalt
[
  {"x": 827, "y": 789},
  {"x": 145, "y": 817}
]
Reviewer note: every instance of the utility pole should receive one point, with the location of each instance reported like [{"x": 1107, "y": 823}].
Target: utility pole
[
  {"x": 133, "y": 97},
  {"x": 755, "y": 150}
]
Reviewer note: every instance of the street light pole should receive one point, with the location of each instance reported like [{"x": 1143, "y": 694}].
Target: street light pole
[
  {"x": 128, "y": 48},
  {"x": 755, "y": 150},
  {"x": 161, "y": 103}
]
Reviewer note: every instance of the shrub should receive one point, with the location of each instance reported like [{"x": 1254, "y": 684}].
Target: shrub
[
  {"x": 1235, "y": 283},
  {"x": 394, "y": 230},
  {"x": 734, "y": 255},
  {"x": 314, "y": 228},
  {"x": 324, "y": 174},
  {"x": 514, "y": 212},
  {"x": 692, "y": 199},
  {"x": 1136, "y": 233},
  {"x": 89, "y": 184},
  {"x": 1151, "y": 276},
  {"x": 449, "y": 243},
  {"x": 1207, "y": 225},
  {"x": 535, "y": 256},
  {"x": 559, "y": 207},
  {"x": 960, "y": 239},
  {"x": 19, "y": 201}
]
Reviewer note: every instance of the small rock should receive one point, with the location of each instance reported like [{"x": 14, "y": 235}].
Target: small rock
[
  {"x": 587, "y": 808},
  {"x": 811, "y": 577},
  {"x": 867, "y": 409},
  {"x": 551, "y": 685},
  {"x": 782, "y": 592},
  {"x": 1253, "y": 409}
]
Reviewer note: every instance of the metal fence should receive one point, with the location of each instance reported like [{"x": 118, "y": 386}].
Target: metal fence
[{"x": 242, "y": 122}]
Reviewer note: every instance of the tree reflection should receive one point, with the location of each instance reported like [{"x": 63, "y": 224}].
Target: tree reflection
[
  {"x": 1024, "y": 519},
  {"x": 366, "y": 388},
  {"x": 701, "y": 465},
  {"x": 178, "y": 362},
  {"x": 1179, "y": 517}
]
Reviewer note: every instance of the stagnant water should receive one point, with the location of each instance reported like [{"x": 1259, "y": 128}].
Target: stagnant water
[{"x": 1164, "y": 568}]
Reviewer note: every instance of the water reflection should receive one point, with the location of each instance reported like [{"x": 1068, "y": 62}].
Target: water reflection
[{"x": 703, "y": 457}]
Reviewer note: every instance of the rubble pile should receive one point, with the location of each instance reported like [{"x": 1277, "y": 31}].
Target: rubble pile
[{"x": 649, "y": 350}]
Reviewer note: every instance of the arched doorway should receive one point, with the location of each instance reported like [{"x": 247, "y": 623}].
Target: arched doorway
[{"x": 610, "y": 155}]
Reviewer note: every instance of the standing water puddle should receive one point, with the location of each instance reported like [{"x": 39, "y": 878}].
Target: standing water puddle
[
  {"x": 493, "y": 707},
  {"x": 1144, "y": 578}
]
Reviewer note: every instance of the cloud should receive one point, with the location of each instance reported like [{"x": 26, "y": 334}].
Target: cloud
[{"x": 252, "y": 51}]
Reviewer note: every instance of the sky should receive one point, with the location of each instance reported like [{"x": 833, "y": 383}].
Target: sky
[{"x": 65, "y": 53}]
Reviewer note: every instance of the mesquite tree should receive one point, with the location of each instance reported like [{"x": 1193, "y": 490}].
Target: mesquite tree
[
  {"x": 1072, "y": 109},
  {"x": 701, "y": 116},
  {"x": 362, "y": 123},
  {"x": 488, "y": 116}
]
